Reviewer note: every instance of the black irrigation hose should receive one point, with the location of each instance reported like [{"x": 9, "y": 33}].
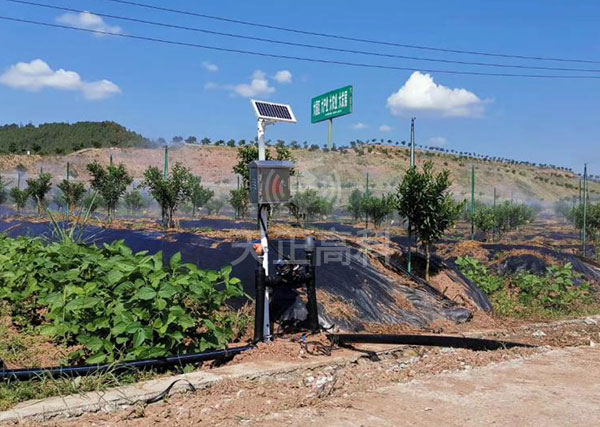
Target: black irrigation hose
[
  {"x": 79, "y": 371},
  {"x": 476, "y": 344}
]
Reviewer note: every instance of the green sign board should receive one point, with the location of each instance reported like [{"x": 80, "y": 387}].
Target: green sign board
[{"x": 331, "y": 104}]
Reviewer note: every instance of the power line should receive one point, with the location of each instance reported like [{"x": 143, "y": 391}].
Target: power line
[
  {"x": 287, "y": 43},
  {"x": 297, "y": 58},
  {"x": 355, "y": 39}
]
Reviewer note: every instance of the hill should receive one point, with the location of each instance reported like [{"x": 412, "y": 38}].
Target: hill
[
  {"x": 64, "y": 138},
  {"x": 334, "y": 173}
]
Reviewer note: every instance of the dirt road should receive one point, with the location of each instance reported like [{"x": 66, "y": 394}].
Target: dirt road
[{"x": 557, "y": 388}]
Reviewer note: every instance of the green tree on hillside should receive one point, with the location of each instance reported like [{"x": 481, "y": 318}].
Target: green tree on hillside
[
  {"x": 425, "y": 200},
  {"x": 170, "y": 192},
  {"x": 38, "y": 188},
  {"x": 111, "y": 183},
  {"x": 58, "y": 138}
]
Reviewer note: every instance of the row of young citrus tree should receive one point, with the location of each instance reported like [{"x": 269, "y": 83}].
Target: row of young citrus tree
[{"x": 109, "y": 185}]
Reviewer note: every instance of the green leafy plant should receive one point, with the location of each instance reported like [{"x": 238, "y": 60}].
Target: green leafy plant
[
  {"x": 111, "y": 183},
  {"x": 116, "y": 304},
  {"x": 38, "y": 188},
  {"x": 171, "y": 191},
  {"x": 526, "y": 294}
]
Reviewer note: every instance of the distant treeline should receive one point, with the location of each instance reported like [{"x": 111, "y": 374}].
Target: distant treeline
[{"x": 64, "y": 138}]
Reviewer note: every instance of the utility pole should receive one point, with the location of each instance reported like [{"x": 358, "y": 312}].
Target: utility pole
[
  {"x": 412, "y": 164},
  {"x": 473, "y": 202},
  {"x": 584, "y": 234}
]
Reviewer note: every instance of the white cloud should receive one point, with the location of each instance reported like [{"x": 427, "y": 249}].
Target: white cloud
[
  {"x": 210, "y": 67},
  {"x": 37, "y": 75},
  {"x": 421, "y": 94},
  {"x": 211, "y": 86},
  {"x": 283, "y": 77},
  {"x": 437, "y": 141},
  {"x": 88, "y": 21},
  {"x": 385, "y": 128},
  {"x": 359, "y": 125},
  {"x": 259, "y": 86}
]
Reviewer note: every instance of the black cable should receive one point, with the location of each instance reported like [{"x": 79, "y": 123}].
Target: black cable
[
  {"x": 355, "y": 39},
  {"x": 297, "y": 58},
  {"x": 264, "y": 227},
  {"x": 79, "y": 371},
  {"x": 305, "y": 45},
  {"x": 165, "y": 392}
]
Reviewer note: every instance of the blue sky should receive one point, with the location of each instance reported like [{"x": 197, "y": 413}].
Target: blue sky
[{"x": 160, "y": 90}]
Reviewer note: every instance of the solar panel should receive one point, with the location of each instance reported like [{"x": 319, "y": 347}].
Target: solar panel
[{"x": 273, "y": 112}]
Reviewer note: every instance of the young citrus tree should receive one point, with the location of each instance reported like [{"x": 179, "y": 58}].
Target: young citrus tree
[
  {"x": 424, "y": 199},
  {"x": 111, "y": 183},
  {"x": 355, "y": 204},
  {"x": 200, "y": 195},
  {"x": 72, "y": 193},
  {"x": 2, "y": 191},
  {"x": 134, "y": 201},
  {"x": 239, "y": 200},
  {"x": 169, "y": 192},
  {"x": 38, "y": 188},
  {"x": 19, "y": 197},
  {"x": 377, "y": 208}
]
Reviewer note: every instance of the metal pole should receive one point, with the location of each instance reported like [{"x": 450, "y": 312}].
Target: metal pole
[
  {"x": 262, "y": 125},
  {"x": 412, "y": 141},
  {"x": 166, "y": 163},
  {"x": 111, "y": 160},
  {"x": 472, "y": 202},
  {"x": 367, "y": 195},
  {"x": 68, "y": 207},
  {"x": 412, "y": 164},
  {"x": 330, "y": 134},
  {"x": 584, "y": 234},
  {"x": 259, "y": 309},
  {"x": 311, "y": 286},
  {"x": 494, "y": 196}
]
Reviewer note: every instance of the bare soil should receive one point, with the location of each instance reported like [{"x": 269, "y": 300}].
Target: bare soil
[{"x": 383, "y": 386}]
